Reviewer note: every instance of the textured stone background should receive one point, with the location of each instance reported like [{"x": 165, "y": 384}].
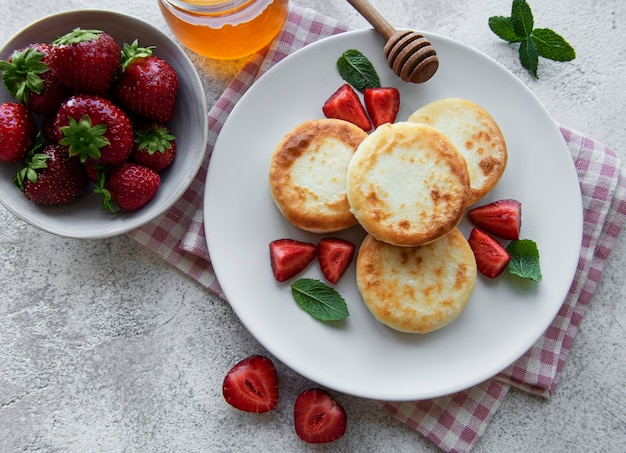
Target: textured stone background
[{"x": 104, "y": 347}]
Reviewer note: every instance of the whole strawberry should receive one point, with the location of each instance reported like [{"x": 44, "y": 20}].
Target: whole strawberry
[
  {"x": 154, "y": 147},
  {"x": 132, "y": 186},
  {"x": 17, "y": 131},
  {"x": 86, "y": 60},
  {"x": 147, "y": 85},
  {"x": 94, "y": 128},
  {"x": 51, "y": 176},
  {"x": 27, "y": 76}
]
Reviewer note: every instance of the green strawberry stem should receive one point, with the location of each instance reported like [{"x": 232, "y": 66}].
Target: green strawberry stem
[
  {"x": 130, "y": 52},
  {"x": 34, "y": 161},
  {"x": 100, "y": 189},
  {"x": 76, "y": 36},
  {"x": 156, "y": 139},
  {"x": 84, "y": 139},
  {"x": 21, "y": 74}
]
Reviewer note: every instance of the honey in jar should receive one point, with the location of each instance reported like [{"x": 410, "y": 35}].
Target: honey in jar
[{"x": 224, "y": 29}]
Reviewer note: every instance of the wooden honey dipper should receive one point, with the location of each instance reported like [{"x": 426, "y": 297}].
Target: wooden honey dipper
[{"x": 409, "y": 54}]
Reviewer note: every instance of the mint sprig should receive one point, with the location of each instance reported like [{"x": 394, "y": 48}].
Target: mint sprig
[
  {"x": 524, "y": 259},
  {"x": 319, "y": 300},
  {"x": 534, "y": 42},
  {"x": 357, "y": 70}
]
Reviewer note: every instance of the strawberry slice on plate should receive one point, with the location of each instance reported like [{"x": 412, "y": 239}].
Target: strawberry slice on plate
[
  {"x": 502, "y": 218},
  {"x": 345, "y": 105},
  {"x": 252, "y": 385},
  {"x": 289, "y": 257},
  {"x": 318, "y": 418},
  {"x": 491, "y": 257},
  {"x": 334, "y": 256},
  {"x": 382, "y": 104}
]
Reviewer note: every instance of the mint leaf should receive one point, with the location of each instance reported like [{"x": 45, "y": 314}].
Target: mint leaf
[
  {"x": 503, "y": 27},
  {"x": 552, "y": 45},
  {"x": 522, "y": 18},
  {"x": 319, "y": 300},
  {"x": 357, "y": 70},
  {"x": 529, "y": 56},
  {"x": 534, "y": 42},
  {"x": 524, "y": 259}
]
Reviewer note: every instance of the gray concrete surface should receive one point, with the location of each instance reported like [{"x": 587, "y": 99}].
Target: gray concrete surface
[{"x": 104, "y": 347}]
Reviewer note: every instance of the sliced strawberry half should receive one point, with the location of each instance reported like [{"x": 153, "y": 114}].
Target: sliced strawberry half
[
  {"x": 318, "y": 418},
  {"x": 502, "y": 218},
  {"x": 382, "y": 104},
  {"x": 491, "y": 257},
  {"x": 345, "y": 105},
  {"x": 334, "y": 256},
  {"x": 289, "y": 257},
  {"x": 252, "y": 385}
]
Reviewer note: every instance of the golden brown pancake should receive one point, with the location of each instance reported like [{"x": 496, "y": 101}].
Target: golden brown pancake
[
  {"x": 307, "y": 174},
  {"x": 416, "y": 289},
  {"x": 476, "y": 136},
  {"x": 407, "y": 184}
]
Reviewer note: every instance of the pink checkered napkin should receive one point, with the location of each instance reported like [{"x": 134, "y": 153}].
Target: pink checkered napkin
[{"x": 454, "y": 423}]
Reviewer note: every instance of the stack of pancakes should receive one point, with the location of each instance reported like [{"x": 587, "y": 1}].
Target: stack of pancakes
[{"x": 408, "y": 185}]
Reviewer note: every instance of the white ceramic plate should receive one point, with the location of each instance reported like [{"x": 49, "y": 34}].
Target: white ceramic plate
[
  {"x": 360, "y": 356},
  {"x": 85, "y": 218}
]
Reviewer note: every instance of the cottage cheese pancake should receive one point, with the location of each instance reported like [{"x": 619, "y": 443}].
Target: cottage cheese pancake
[
  {"x": 476, "y": 136},
  {"x": 307, "y": 174},
  {"x": 407, "y": 184},
  {"x": 416, "y": 289}
]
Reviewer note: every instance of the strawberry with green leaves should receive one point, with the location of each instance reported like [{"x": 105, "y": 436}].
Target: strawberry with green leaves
[
  {"x": 155, "y": 146},
  {"x": 26, "y": 75},
  {"x": 147, "y": 85},
  {"x": 86, "y": 60},
  {"x": 94, "y": 128},
  {"x": 17, "y": 131},
  {"x": 50, "y": 176},
  {"x": 130, "y": 185}
]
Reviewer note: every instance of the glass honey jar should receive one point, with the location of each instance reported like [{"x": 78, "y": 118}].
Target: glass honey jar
[{"x": 224, "y": 29}]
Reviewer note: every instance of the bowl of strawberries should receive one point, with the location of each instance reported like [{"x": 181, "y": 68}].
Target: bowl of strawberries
[{"x": 103, "y": 123}]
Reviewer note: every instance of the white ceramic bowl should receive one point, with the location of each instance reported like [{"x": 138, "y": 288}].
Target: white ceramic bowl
[{"x": 85, "y": 218}]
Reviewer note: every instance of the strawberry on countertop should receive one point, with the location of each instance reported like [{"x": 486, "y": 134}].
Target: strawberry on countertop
[
  {"x": 345, "y": 105},
  {"x": 318, "y": 418},
  {"x": 93, "y": 127},
  {"x": 17, "y": 131},
  {"x": 51, "y": 177},
  {"x": 252, "y": 385},
  {"x": 27, "y": 76},
  {"x": 334, "y": 255},
  {"x": 86, "y": 60},
  {"x": 147, "y": 86}
]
